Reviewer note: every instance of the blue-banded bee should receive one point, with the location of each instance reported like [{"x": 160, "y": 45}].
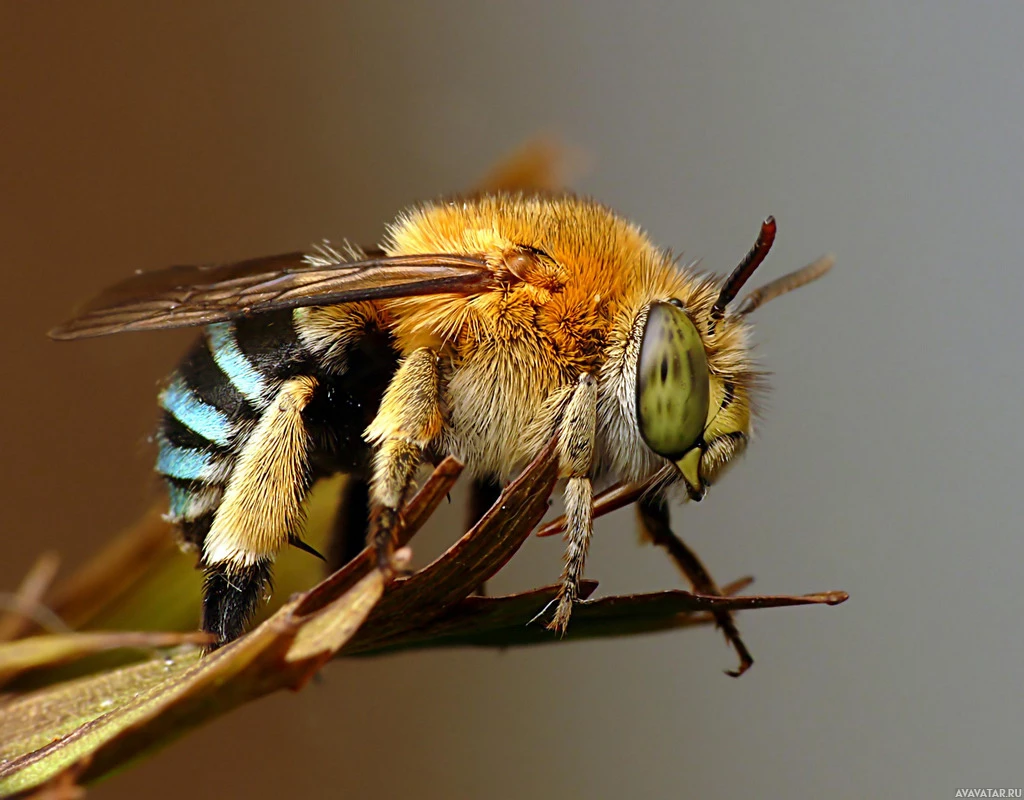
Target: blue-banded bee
[{"x": 481, "y": 328}]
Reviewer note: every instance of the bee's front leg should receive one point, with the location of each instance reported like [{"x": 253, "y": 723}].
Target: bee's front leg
[
  {"x": 654, "y": 523},
  {"x": 409, "y": 418},
  {"x": 576, "y": 454}
]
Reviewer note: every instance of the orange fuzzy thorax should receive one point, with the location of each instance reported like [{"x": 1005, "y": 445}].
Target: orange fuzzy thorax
[{"x": 605, "y": 271}]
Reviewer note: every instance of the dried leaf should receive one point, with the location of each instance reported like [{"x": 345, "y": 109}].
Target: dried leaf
[{"x": 83, "y": 729}]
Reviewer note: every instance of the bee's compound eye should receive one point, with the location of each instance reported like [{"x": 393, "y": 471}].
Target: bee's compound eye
[{"x": 672, "y": 386}]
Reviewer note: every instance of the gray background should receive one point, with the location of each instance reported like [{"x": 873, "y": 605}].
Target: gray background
[{"x": 888, "y": 463}]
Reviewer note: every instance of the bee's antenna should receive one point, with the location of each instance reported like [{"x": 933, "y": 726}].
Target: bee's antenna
[
  {"x": 786, "y": 283},
  {"x": 745, "y": 269}
]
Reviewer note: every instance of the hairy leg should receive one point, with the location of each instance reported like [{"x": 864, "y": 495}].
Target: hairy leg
[
  {"x": 409, "y": 418},
  {"x": 576, "y": 452},
  {"x": 262, "y": 511}
]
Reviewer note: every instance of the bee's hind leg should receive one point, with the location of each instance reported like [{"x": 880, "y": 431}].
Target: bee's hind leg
[
  {"x": 576, "y": 454},
  {"x": 262, "y": 511},
  {"x": 409, "y": 419},
  {"x": 654, "y": 522},
  {"x": 232, "y": 596}
]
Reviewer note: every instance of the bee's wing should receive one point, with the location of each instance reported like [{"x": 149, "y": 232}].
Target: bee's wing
[{"x": 179, "y": 297}]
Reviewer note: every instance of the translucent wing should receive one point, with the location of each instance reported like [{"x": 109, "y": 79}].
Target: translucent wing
[{"x": 180, "y": 297}]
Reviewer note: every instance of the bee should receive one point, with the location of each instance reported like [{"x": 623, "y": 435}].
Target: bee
[{"x": 480, "y": 328}]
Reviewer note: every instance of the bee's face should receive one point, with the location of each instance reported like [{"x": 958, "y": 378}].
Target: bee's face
[{"x": 684, "y": 413}]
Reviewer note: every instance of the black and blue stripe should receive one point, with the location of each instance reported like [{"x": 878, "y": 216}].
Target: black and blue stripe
[
  {"x": 222, "y": 341},
  {"x": 206, "y": 421},
  {"x": 210, "y": 405}
]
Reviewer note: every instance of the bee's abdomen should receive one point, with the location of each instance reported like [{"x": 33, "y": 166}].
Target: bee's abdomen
[{"x": 210, "y": 406}]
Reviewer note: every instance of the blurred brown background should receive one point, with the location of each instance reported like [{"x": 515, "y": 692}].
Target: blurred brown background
[{"x": 136, "y": 137}]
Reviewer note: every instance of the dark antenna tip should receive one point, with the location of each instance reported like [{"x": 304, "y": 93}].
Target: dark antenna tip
[{"x": 743, "y": 271}]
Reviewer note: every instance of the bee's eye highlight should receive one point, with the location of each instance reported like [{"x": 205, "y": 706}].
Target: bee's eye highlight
[{"x": 672, "y": 385}]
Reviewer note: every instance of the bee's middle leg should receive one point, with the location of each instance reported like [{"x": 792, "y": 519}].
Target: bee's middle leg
[
  {"x": 409, "y": 418},
  {"x": 576, "y": 454}
]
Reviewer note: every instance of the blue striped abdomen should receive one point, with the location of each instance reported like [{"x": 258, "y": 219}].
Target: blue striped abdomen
[{"x": 229, "y": 379}]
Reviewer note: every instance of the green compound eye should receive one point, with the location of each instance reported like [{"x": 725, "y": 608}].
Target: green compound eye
[{"x": 672, "y": 387}]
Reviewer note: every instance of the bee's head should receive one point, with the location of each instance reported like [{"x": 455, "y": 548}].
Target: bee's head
[{"x": 688, "y": 412}]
